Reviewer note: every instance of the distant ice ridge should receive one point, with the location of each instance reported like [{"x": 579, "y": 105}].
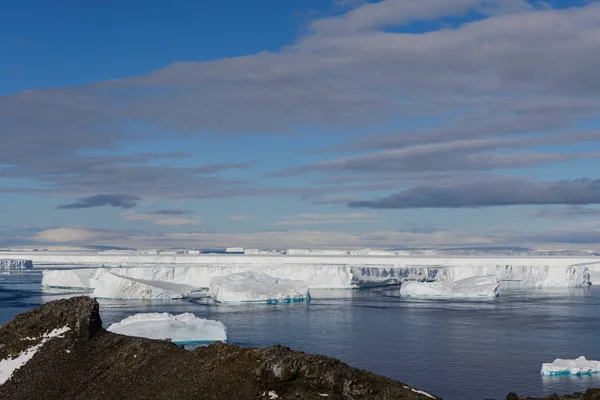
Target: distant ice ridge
[
  {"x": 315, "y": 276},
  {"x": 168, "y": 282},
  {"x": 579, "y": 366},
  {"x": 182, "y": 328},
  {"x": 525, "y": 276},
  {"x": 252, "y": 287},
  {"x": 477, "y": 286},
  {"x": 15, "y": 265}
]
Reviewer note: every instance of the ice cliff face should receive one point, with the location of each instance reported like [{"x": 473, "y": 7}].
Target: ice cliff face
[
  {"x": 174, "y": 281},
  {"x": 15, "y": 265},
  {"x": 525, "y": 276}
]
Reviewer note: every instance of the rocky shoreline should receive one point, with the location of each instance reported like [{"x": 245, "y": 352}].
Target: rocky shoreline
[
  {"x": 75, "y": 358},
  {"x": 590, "y": 394},
  {"x": 61, "y": 351}
]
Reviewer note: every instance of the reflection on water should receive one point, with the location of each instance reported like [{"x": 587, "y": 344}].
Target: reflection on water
[{"x": 457, "y": 349}]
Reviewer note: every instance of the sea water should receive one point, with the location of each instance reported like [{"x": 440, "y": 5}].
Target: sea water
[{"x": 456, "y": 349}]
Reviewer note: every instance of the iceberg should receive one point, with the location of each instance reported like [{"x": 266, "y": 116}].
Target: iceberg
[
  {"x": 181, "y": 329},
  {"x": 15, "y": 265},
  {"x": 68, "y": 278},
  {"x": 579, "y": 366},
  {"x": 595, "y": 274},
  {"x": 256, "y": 286},
  {"x": 111, "y": 286},
  {"x": 478, "y": 286},
  {"x": 524, "y": 276}
]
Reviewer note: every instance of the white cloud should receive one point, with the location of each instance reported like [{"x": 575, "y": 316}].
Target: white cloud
[
  {"x": 78, "y": 235},
  {"x": 324, "y": 219}
]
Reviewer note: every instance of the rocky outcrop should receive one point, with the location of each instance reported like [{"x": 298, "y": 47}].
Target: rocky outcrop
[
  {"x": 590, "y": 394},
  {"x": 83, "y": 361}
]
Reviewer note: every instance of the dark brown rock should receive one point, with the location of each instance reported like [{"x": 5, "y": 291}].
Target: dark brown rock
[
  {"x": 590, "y": 394},
  {"x": 90, "y": 363}
]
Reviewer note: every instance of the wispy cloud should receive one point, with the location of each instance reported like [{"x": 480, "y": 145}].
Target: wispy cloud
[
  {"x": 567, "y": 213},
  {"x": 240, "y": 217},
  {"x": 325, "y": 219},
  {"x": 164, "y": 219},
  {"x": 103, "y": 200},
  {"x": 491, "y": 193},
  {"x": 170, "y": 212}
]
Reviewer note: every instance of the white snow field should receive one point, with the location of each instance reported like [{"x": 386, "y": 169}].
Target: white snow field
[
  {"x": 10, "y": 365},
  {"x": 256, "y": 287},
  {"x": 15, "y": 265},
  {"x": 578, "y": 366},
  {"x": 182, "y": 329},
  {"x": 158, "y": 275},
  {"x": 477, "y": 286}
]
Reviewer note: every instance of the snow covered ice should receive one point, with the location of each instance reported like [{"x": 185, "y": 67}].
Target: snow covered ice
[
  {"x": 252, "y": 286},
  {"x": 111, "y": 286},
  {"x": 182, "y": 328},
  {"x": 68, "y": 278},
  {"x": 175, "y": 276},
  {"x": 478, "y": 286},
  {"x": 579, "y": 366}
]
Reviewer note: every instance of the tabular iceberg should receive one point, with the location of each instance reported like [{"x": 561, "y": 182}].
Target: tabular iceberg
[
  {"x": 478, "y": 286},
  {"x": 253, "y": 286},
  {"x": 579, "y": 366},
  {"x": 15, "y": 265},
  {"x": 182, "y": 329},
  {"x": 525, "y": 276},
  {"x": 68, "y": 278},
  {"x": 111, "y": 286}
]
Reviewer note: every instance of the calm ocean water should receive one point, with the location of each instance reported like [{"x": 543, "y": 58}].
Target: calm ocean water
[{"x": 460, "y": 350}]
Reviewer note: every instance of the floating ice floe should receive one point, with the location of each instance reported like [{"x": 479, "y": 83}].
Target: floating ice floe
[
  {"x": 112, "y": 286},
  {"x": 578, "y": 366},
  {"x": 252, "y": 286},
  {"x": 478, "y": 286},
  {"x": 182, "y": 329}
]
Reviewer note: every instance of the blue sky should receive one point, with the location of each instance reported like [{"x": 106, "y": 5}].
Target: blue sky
[{"x": 300, "y": 123}]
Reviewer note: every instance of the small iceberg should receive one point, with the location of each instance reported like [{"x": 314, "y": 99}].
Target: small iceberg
[
  {"x": 256, "y": 287},
  {"x": 579, "y": 366},
  {"x": 477, "y": 286},
  {"x": 181, "y": 329}
]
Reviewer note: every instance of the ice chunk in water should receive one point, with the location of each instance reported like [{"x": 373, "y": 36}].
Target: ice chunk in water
[
  {"x": 182, "y": 328},
  {"x": 477, "y": 286},
  {"x": 254, "y": 286},
  {"x": 578, "y": 366}
]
